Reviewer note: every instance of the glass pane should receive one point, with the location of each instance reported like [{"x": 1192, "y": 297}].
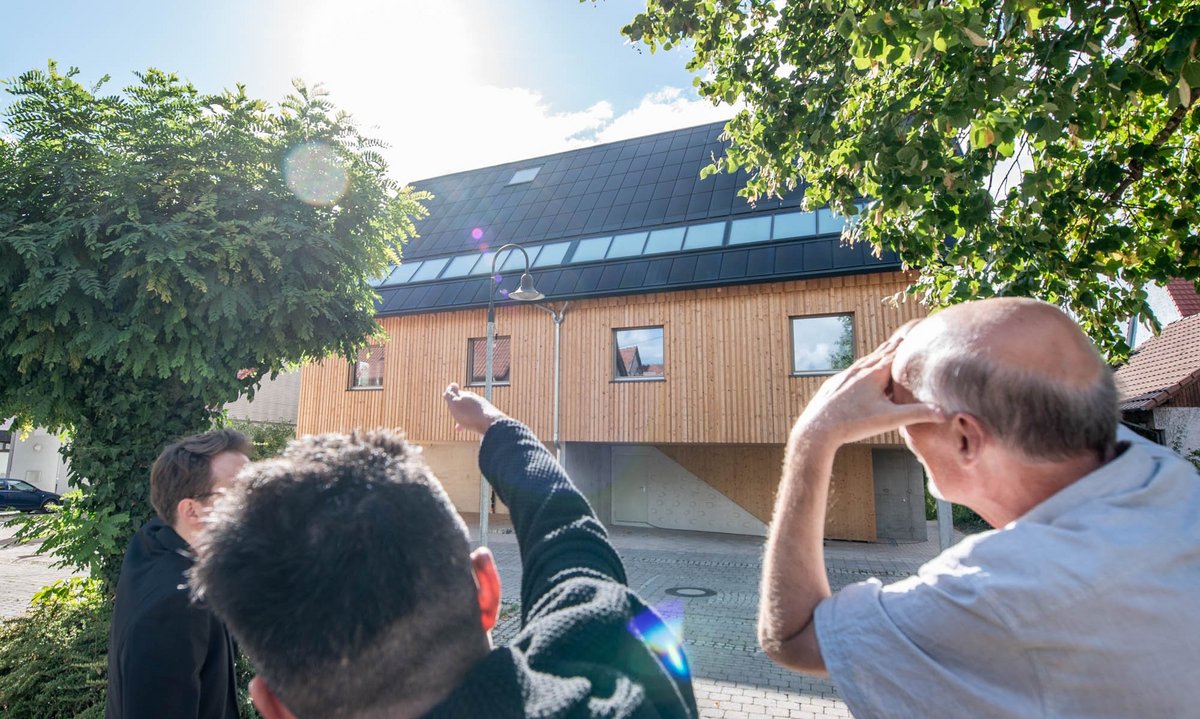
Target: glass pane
[
  {"x": 477, "y": 360},
  {"x": 367, "y": 370},
  {"x": 752, "y": 229},
  {"x": 822, "y": 344},
  {"x": 638, "y": 354},
  {"x": 514, "y": 261},
  {"x": 665, "y": 240},
  {"x": 794, "y": 224},
  {"x": 461, "y": 266},
  {"x": 627, "y": 245},
  {"x": 403, "y": 272},
  {"x": 592, "y": 249},
  {"x": 552, "y": 254},
  {"x": 828, "y": 222},
  {"x": 707, "y": 235},
  {"x": 429, "y": 269}
]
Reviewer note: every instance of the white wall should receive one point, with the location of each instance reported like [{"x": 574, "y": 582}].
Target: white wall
[
  {"x": 277, "y": 400},
  {"x": 1180, "y": 426},
  {"x": 36, "y": 460}
]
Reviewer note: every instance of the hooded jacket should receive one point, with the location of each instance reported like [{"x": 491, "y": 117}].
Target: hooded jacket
[
  {"x": 589, "y": 646},
  {"x": 167, "y": 657}
]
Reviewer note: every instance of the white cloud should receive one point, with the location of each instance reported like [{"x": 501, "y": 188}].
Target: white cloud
[
  {"x": 666, "y": 109},
  {"x": 481, "y": 126}
]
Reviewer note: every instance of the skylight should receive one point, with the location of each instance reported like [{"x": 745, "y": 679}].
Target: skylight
[{"x": 526, "y": 175}]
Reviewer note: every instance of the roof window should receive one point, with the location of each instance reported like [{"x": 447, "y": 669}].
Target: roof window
[{"x": 526, "y": 175}]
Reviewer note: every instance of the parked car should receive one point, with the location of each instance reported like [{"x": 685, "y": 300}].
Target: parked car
[{"x": 19, "y": 494}]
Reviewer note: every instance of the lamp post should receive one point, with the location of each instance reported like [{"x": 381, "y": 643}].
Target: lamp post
[{"x": 525, "y": 292}]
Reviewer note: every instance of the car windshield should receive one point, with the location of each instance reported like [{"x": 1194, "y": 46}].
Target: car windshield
[{"x": 20, "y": 486}]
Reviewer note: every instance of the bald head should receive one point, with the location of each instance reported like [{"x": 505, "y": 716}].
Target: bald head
[{"x": 1019, "y": 365}]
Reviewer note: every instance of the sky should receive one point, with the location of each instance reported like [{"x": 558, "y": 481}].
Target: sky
[{"x": 450, "y": 84}]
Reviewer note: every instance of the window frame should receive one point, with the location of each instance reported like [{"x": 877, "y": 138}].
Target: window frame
[
  {"x": 470, "y": 356},
  {"x": 616, "y": 353},
  {"x": 352, "y": 386},
  {"x": 792, "y": 371}
]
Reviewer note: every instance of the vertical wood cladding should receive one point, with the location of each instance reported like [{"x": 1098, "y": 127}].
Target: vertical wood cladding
[{"x": 727, "y": 359}]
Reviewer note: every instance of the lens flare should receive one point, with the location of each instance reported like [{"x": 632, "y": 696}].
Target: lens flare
[
  {"x": 316, "y": 174},
  {"x": 477, "y": 233},
  {"x": 661, "y": 637}
]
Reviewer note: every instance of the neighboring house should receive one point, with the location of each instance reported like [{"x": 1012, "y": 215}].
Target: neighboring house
[
  {"x": 37, "y": 460},
  {"x": 1160, "y": 386},
  {"x": 730, "y": 315}
]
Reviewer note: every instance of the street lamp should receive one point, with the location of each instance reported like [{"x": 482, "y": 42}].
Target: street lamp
[{"x": 525, "y": 292}]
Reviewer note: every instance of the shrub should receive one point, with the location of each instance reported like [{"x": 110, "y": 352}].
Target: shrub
[{"x": 54, "y": 659}]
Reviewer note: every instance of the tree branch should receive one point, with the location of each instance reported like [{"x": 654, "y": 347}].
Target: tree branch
[{"x": 1137, "y": 166}]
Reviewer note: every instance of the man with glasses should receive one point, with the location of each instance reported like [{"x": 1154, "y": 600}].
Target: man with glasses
[
  {"x": 1083, "y": 601},
  {"x": 169, "y": 657}
]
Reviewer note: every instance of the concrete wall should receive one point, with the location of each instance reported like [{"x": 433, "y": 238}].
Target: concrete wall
[
  {"x": 590, "y": 466},
  {"x": 899, "y": 496},
  {"x": 650, "y": 489},
  {"x": 1180, "y": 426}
]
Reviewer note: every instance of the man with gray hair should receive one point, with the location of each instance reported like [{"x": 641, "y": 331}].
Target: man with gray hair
[{"x": 1083, "y": 603}]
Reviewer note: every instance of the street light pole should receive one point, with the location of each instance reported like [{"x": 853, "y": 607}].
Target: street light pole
[
  {"x": 525, "y": 292},
  {"x": 557, "y": 316}
]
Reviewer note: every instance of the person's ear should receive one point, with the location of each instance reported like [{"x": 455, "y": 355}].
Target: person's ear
[
  {"x": 267, "y": 702},
  {"x": 970, "y": 435},
  {"x": 187, "y": 510},
  {"x": 487, "y": 586}
]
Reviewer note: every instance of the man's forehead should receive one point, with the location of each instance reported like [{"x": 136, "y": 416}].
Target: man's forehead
[{"x": 917, "y": 341}]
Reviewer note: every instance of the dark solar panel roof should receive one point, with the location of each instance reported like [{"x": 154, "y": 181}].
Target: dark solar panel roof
[{"x": 641, "y": 184}]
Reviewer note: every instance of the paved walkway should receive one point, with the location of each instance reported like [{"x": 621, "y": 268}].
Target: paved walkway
[{"x": 732, "y": 676}]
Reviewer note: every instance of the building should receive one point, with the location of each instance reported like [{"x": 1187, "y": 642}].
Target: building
[
  {"x": 694, "y": 329},
  {"x": 1160, "y": 385}
]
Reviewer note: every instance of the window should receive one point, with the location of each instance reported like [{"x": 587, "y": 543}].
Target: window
[
  {"x": 794, "y": 224},
  {"x": 367, "y": 371},
  {"x": 665, "y": 240},
  {"x": 477, "y": 360},
  {"x": 591, "y": 249},
  {"x": 638, "y": 354},
  {"x": 753, "y": 229},
  {"x": 711, "y": 234},
  {"x": 822, "y": 345},
  {"x": 627, "y": 245},
  {"x": 526, "y": 175},
  {"x": 461, "y": 265},
  {"x": 429, "y": 269}
]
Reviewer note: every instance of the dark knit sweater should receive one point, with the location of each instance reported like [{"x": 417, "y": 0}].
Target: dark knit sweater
[
  {"x": 167, "y": 657},
  {"x": 581, "y": 651}
]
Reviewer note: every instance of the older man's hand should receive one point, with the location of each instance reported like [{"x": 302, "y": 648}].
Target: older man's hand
[
  {"x": 470, "y": 411},
  {"x": 858, "y": 402}
]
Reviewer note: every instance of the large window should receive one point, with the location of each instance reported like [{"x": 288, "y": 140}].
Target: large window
[
  {"x": 477, "y": 360},
  {"x": 638, "y": 354},
  {"x": 822, "y": 345},
  {"x": 367, "y": 371}
]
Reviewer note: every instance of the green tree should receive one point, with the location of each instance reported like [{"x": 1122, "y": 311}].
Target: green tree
[
  {"x": 1006, "y": 146},
  {"x": 161, "y": 251}
]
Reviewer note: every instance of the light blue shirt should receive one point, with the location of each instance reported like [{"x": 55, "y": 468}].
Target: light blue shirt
[{"x": 1087, "y": 606}]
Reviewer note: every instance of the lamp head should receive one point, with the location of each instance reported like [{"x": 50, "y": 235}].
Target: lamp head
[{"x": 526, "y": 292}]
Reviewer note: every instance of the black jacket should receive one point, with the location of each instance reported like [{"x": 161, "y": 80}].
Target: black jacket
[
  {"x": 589, "y": 647},
  {"x": 167, "y": 657}
]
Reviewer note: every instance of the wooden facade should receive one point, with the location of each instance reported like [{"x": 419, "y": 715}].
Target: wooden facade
[
  {"x": 727, "y": 358},
  {"x": 722, "y": 413}
]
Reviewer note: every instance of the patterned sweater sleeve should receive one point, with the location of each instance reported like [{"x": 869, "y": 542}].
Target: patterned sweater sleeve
[{"x": 558, "y": 534}]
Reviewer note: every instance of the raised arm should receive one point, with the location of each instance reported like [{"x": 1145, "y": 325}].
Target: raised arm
[
  {"x": 558, "y": 533},
  {"x": 850, "y": 406}
]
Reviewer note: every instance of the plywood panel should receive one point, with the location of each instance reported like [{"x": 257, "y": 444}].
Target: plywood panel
[
  {"x": 749, "y": 475},
  {"x": 727, "y": 355}
]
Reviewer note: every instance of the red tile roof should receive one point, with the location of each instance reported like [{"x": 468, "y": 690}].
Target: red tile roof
[
  {"x": 630, "y": 361},
  {"x": 1162, "y": 366},
  {"x": 1183, "y": 294}
]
